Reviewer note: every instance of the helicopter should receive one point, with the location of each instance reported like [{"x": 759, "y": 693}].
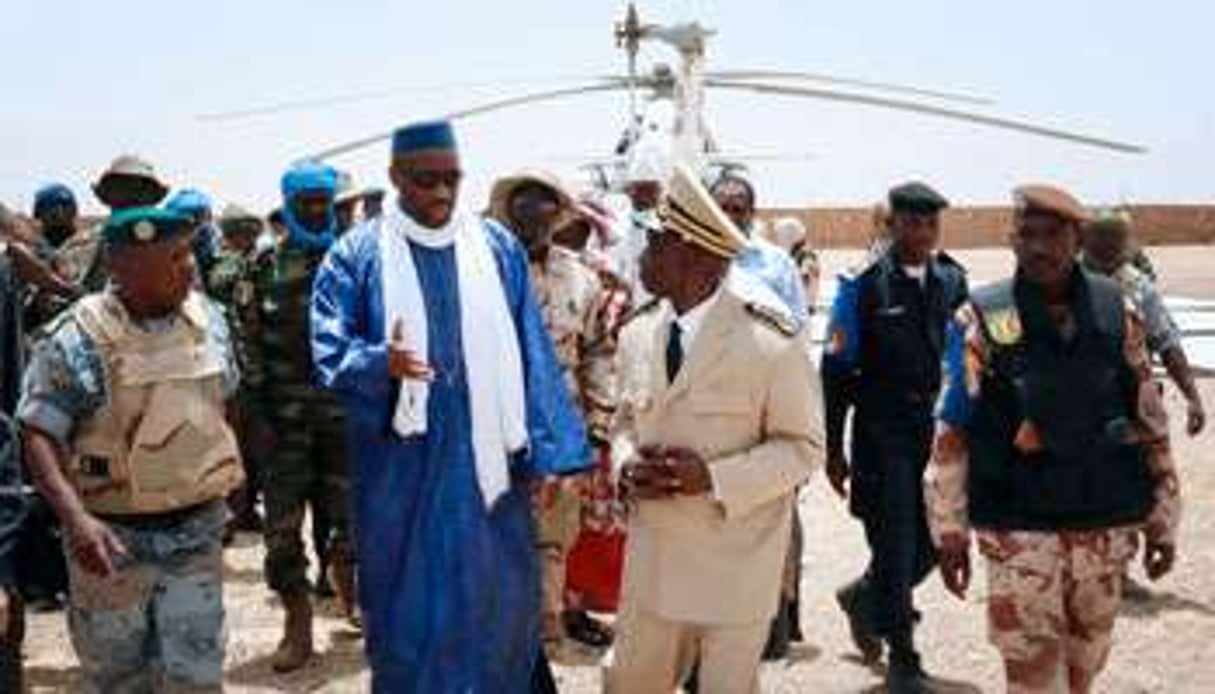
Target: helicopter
[{"x": 666, "y": 105}]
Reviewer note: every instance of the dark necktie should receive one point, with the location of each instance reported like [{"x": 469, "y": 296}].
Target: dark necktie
[{"x": 674, "y": 351}]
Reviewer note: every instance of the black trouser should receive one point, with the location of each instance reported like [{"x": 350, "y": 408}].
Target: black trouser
[
  {"x": 41, "y": 567},
  {"x": 891, "y": 446},
  {"x": 10, "y": 646},
  {"x": 901, "y": 552}
]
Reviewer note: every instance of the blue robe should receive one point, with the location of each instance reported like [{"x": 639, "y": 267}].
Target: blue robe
[{"x": 450, "y": 591}]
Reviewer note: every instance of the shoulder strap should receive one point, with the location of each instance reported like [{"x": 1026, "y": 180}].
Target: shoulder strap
[
  {"x": 774, "y": 318},
  {"x": 102, "y": 318}
]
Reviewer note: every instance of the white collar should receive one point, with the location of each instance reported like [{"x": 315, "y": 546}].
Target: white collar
[{"x": 693, "y": 318}]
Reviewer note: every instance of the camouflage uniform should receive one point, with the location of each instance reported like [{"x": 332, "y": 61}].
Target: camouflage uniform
[
  {"x": 82, "y": 260},
  {"x": 595, "y": 563},
  {"x": 309, "y": 463},
  {"x": 1160, "y": 331},
  {"x": 572, "y": 301},
  {"x": 157, "y": 622},
  {"x": 1053, "y": 595},
  {"x": 79, "y": 260},
  {"x": 232, "y": 283}
]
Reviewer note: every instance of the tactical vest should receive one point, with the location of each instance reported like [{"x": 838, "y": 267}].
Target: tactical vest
[
  {"x": 1079, "y": 395},
  {"x": 160, "y": 442},
  {"x": 902, "y": 337}
]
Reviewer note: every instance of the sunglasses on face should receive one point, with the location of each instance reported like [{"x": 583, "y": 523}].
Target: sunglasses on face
[
  {"x": 735, "y": 209},
  {"x": 431, "y": 179}
]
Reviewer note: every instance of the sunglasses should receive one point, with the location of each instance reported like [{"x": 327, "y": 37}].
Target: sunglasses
[
  {"x": 732, "y": 209},
  {"x": 432, "y": 179}
]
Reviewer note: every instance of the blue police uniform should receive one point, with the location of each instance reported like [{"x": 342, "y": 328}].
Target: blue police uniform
[{"x": 883, "y": 362}]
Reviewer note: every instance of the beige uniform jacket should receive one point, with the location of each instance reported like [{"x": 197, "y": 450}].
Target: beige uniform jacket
[{"x": 745, "y": 399}]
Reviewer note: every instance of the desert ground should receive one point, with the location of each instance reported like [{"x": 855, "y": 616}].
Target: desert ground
[{"x": 1161, "y": 645}]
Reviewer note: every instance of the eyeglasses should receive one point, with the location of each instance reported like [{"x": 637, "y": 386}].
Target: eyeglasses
[
  {"x": 735, "y": 209},
  {"x": 431, "y": 179}
]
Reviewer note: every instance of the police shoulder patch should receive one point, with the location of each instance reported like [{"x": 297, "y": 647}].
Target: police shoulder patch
[
  {"x": 1004, "y": 326},
  {"x": 776, "y": 319}
]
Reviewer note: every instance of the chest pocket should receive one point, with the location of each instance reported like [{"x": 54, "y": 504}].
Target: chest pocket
[{"x": 724, "y": 420}]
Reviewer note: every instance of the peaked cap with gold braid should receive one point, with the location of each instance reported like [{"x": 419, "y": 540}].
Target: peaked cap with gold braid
[{"x": 688, "y": 210}]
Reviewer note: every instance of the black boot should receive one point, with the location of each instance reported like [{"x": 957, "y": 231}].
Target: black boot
[
  {"x": 777, "y": 646},
  {"x": 905, "y": 674},
  {"x": 794, "y": 610},
  {"x": 586, "y": 630},
  {"x": 854, "y": 600}
]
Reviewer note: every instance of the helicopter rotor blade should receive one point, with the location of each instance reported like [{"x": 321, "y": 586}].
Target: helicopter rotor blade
[
  {"x": 756, "y": 157},
  {"x": 332, "y": 100},
  {"x": 734, "y": 75},
  {"x": 931, "y": 110},
  {"x": 532, "y": 98}
]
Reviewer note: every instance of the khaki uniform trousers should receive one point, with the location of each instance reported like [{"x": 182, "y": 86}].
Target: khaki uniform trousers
[{"x": 655, "y": 655}]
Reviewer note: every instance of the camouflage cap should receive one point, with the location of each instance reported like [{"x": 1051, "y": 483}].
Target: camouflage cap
[
  {"x": 347, "y": 189},
  {"x": 130, "y": 166},
  {"x": 1110, "y": 219},
  {"x": 144, "y": 225},
  {"x": 236, "y": 219},
  {"x": 1050, "y": 200}
]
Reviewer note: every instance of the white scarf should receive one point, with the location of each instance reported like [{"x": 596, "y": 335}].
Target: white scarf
[{"x": 491, "y": 346}]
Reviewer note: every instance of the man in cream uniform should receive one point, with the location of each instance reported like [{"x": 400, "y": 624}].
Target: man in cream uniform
[{"x": 717, "y": 430}]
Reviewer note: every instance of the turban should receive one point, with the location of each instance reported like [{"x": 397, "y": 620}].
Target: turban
[{"x": 304, "y": 178}]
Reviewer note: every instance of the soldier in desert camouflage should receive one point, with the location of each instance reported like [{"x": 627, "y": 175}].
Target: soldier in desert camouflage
[
  {"x": 534, "y": 205},
  {"x": 1053, "y": 446}
]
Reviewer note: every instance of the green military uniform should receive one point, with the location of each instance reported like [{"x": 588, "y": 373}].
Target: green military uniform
[
  {"x": 308, "y": 465},
  {"x": 232, "y": 281}
]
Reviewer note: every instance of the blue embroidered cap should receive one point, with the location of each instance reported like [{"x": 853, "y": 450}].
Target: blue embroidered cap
[{"x": 427, "y": 135}]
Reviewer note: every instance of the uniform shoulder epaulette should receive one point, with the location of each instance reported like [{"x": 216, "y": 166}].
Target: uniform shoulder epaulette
[
  {"x": 946, "y": 259},
  {"x": 778, "y": 320},
  {"x": 854, "y": 272}
]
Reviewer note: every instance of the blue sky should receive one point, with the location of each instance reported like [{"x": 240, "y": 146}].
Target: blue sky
[{"x": 84, "y": 81}]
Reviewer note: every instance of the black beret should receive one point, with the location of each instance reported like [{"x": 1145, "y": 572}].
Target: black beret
[{"x": 916, "y": 197}]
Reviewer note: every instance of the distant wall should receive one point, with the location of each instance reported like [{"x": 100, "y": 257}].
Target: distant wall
[{"x": 976, "y": 227}]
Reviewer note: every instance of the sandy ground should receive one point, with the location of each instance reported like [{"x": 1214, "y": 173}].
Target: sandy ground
[{"x": 1163, "y": 645}]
